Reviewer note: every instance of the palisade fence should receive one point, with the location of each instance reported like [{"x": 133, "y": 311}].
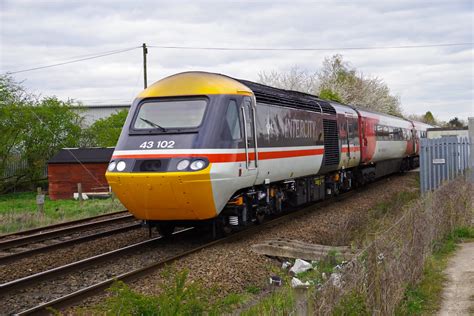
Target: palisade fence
[
  {"x": 442, "y": 159},
  {"x": 16, "y": 166}
]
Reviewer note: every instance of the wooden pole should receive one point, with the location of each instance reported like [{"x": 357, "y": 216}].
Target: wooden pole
[
  {"x": 145, "y": 51},
  {"x": 40, "y": 200}
]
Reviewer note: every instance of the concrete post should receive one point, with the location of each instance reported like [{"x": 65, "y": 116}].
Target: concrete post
[
  {"x": 40, "y": 200},
  {"x": 471, "y": 149}
]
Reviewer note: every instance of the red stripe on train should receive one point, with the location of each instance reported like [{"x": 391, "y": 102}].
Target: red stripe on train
[
  {"x": 352, "y": 149},
  {"x": 234, "y": 156}
]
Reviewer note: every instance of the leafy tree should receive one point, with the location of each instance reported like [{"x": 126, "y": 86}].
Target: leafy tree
[
  {"x": 32, "y": 130},
  {"x": 53, "y": 124},
  {"x": 105, "y": 132},
  {"x": 428, "y": 118},
  {"x": 355, "y": 88},
  {"x": 327, "y": 94},
  {"x": 12, "y": 100},
  {"x": 456, "y": 123}
]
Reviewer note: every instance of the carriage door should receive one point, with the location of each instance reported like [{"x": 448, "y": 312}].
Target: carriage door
[
  {"x": 348, "y": 133},
  {"x": 250, "y": 136}
]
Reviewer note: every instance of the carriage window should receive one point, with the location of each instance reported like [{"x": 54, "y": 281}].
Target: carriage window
[
  {"x": 232, "y": 119},
  {"x": 385, "y": 133}
]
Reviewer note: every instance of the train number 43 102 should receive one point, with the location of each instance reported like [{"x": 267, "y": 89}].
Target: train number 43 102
[{"x": 159, "y": 144}]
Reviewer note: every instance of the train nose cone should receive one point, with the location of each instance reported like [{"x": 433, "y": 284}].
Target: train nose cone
[{"x": 165, "y": 196}]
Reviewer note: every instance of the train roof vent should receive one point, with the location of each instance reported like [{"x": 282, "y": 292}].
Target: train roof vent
[
  {"x": 295, "y": 99},
  {"x": 327, "y": 107}
]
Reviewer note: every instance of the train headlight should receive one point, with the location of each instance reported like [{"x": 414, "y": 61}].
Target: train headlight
[
  {"x": 111, "y": 166},
  {"x": 198, "y": 164},
  {"x": 121, "y": 166},
  {"x": 183, "y": 164}
]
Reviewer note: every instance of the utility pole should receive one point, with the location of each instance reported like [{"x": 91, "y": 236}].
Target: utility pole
[{"x": 145, "y": 51}]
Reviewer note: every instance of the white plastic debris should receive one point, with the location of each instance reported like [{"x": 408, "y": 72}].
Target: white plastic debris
[
  {"x": 324, "y": 276},
  {"x": 295, "y": 283},
  {"x": 285, "y": 265},
  {"x": 336, "y": 280},
  {"x": 84, "y": 196},
  {"x": 300, "y": 266}
]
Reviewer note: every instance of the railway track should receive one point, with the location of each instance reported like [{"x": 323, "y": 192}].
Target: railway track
[
  {"x": 23, "y": 244},
  {"x": 94, "y": 285}
]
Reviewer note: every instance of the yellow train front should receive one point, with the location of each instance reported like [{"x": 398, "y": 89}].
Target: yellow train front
[{"x": 177, "y": 130}]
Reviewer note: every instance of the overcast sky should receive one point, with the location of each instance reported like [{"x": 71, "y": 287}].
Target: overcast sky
[{"x": 438, "y": 79}]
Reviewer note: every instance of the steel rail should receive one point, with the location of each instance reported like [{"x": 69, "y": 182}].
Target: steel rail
[
  {"x": 10, "y": 243},
  {"x": 18, "y": 255},
  {"x": 27, "y": 281},
  {"x": 53, "y": 226},
  {"x": 75, "y": 297}
]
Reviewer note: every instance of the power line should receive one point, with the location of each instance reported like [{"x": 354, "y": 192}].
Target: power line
[
  {"x": 104, "y": 54},
  {"x": 309, "y": 48},
  {"x": 77, "y": 60}
]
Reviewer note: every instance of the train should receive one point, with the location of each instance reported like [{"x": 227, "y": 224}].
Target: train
[{"x": 205, "y": 148}]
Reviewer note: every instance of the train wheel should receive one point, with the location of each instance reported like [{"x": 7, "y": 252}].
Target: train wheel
[
  {"x": 260, "y": 216},
  {"x": 165, "y": 229},
  {"x": 227, "y": 230}
]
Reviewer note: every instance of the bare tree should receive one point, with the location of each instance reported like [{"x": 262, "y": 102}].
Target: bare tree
[
  {"x": 338, "y": 81},
  {"x": 296, "y": 78}
]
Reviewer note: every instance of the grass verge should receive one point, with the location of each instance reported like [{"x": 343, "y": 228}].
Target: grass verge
[
  {"x": 178, "y": 296},
  {"x": 425, "y": 297},
  {"x": 382, "y": 215},
  {"x": 18, "y": 211}
]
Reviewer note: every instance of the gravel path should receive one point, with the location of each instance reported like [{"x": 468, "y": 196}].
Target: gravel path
[
  {"x": 458, "y": 294},
  {"x": 233, "y": 267}
]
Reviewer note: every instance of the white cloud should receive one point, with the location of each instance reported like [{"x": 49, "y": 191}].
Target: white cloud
[{"x": 35, "y": 33}]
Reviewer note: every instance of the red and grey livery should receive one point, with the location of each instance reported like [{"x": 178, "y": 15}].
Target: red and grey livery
[{"x": 201, "y": 147}]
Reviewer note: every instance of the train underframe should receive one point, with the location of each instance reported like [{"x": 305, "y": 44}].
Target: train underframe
[{"x": 252, "y": 205}]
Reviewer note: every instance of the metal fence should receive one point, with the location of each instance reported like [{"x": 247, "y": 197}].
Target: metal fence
[
  {"x": 14, "y": 166},
  {"x": 442, "y": 159}
]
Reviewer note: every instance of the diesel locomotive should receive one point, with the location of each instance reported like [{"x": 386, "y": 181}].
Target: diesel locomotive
[{"x": 200, "y": 147}]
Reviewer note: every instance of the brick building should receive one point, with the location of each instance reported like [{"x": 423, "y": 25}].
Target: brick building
[{"x": 71, "y": 166}]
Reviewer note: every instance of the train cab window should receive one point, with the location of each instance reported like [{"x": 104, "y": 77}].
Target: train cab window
[
  {"x": 172, "y": 114},
  {"x": 232, "y": 119}
]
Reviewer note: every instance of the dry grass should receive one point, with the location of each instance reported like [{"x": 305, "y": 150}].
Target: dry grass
[{"x": 394, "y": 256}]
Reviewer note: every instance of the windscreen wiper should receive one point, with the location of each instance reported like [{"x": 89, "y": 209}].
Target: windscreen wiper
[{"x": 152, "y": 124}]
